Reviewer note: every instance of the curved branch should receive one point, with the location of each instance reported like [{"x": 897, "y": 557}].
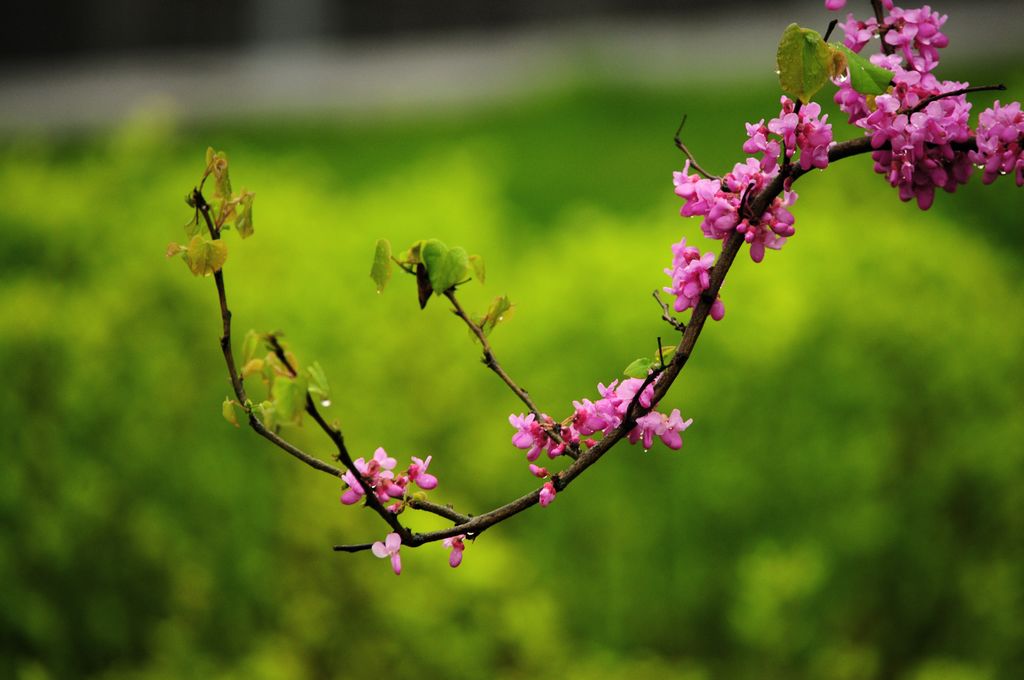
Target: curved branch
[{"x": 480, "y": 523}]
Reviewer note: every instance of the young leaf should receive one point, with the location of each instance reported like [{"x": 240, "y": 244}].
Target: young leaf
[
  {"x": 641, "y": 367},
  {"x": 865, "y": 77},
  {"x": 250, "y": 345},
  {"x": 666, "y": 355},
  {"x": 227, "y": 410},
  {"x": 380, "y": 272},
  {"x": 319, "y": 388},
  {"x": 477, "y": 263},
  {"x": 803, "y": 62},
  {"x": 205, "y": 256},
  {"x": 497, "y": 312},
  {"x": 217, "y": 165},
  {"x": 175, "y": 249},
  {"x": 252, "y": 367},
  {"x": 413, "y": 255},
  {"x": 289, "y": 395},
  {"x": 456, "y": 268},
  {"x": 434, "y": 254},
  {"x": 243, "y": 219}
]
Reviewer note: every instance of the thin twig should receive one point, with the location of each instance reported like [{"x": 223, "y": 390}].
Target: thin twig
[
  {"x": 689, "y": 155},
  {"x": 258, "y": 426},
  {"x": 489, "y": 359},
  {"x": 446, "y": 511},
  {"x": 666, "y": 313},
  {"x": 882, "y": 29},
  {"x": 999, "y": 87}
]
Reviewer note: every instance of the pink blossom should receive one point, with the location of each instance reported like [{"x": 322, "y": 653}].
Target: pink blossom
[
  {"x": 547, "y": 494},
  {"x": 654, "y": 424},
  {"x": 835, "y": 5},
  {"x": 806, "y": 130},
  {"x": 529, "y": 434},
  {"x": 691, "y": 276},
  {"x": 418, "y": 474},
  {"x": 390, "y": 547},
  {"x": 456, "y": 544},
  {"x": 537, "y": 471},
  {"x": 1000, "y": 142},
  {"x": 378, "y": 473}
]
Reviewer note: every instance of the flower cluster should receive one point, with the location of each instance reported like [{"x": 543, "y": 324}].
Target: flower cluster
[
  {"x": 1000, "y": 131},
  {"x": 804, "y": 129},
  {"x": 379, "y": 474},
  {"x": 596, "y": 417},
  {"x": 920, "y": 126},
  {"x": 725, "y": 203},
  {"x": 691, "y": 276},
  {"x": 722, "y": 202}
]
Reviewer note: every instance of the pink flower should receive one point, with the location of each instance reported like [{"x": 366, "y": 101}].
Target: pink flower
[
  {"x": 691, "y": 276},
  {"x": 418, "y": 474},
  {"x": 1000, "y": 142},
  {"x": 547, "y": 494},
  {"x": 378, "y": 473},
  {"x": 655, "y": 424},
  {"x": 529, "y": 435},
  {"x": 390, "y": 547},
  {"x": 456, "y": 545},
  {"x": 538, "y": 471},
  {"x": 835, "y": 5}
]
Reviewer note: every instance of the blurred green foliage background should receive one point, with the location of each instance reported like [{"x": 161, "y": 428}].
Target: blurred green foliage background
[{"x": 848, "y": 504}]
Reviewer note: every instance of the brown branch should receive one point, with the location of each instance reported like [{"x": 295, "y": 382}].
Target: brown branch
[
  {"x": 882, "y": 29},
  {"x": 666, "y": 313},
  {"x": 999, "y": 87},
  {"x": 480, "y": 523},
  {"x": 446, "y": 511}
]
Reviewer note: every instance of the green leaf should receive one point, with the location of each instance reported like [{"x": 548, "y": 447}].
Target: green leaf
[
  {"x": 289, "y": 396},
  {"x": 227, "y": 410},
  {"x": 435, "y": 258},
  {"x": 193, "y": 226},
  {"x": 243, "y": 214},
  {"x": 641, "y": 367},
  {"x": 496, "y": 313},
  {"x": 380, "y": 272},
  {"x": 205, "y": 256},
  {"x": 865, "y": 77},
  {"x": 803, "y": 61},
  {"x": 265, "y": 412},
  {"x": 445, "y": 266},
  {"x": 251, "y": 345},
  {"x": 319, "y": 388},
  {"x": 666, "y": 354},
  {"x": 477, "y": 263}
]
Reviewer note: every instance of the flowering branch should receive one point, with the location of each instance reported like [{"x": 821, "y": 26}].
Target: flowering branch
[{"x": 915, "y": 127}]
